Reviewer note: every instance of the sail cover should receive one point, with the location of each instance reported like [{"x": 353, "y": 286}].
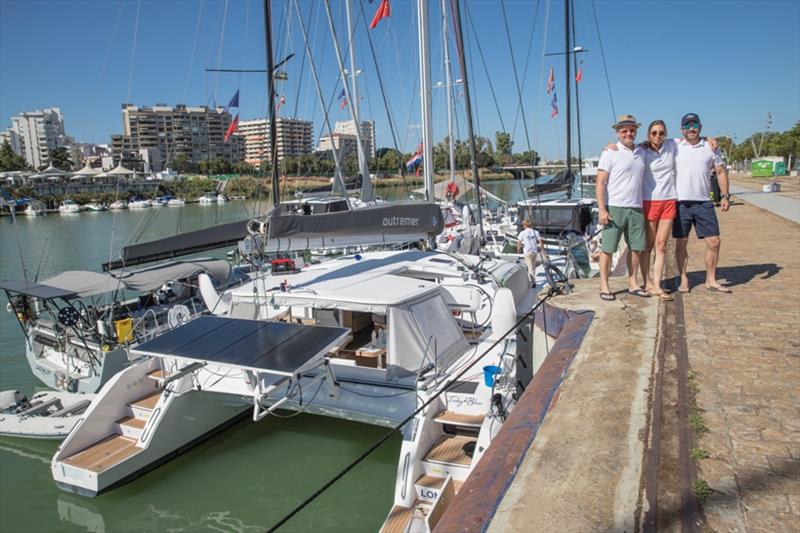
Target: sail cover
[
  {"x": 82, "y": 283},
  {"x": 182, "y": 244},
  {"x": 412, "y": 218}
]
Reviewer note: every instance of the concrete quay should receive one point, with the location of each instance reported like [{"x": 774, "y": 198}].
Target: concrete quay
[{"x": 678, "y": 415}]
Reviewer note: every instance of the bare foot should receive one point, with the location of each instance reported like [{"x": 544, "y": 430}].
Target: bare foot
[{"x": 684, "y": 286}]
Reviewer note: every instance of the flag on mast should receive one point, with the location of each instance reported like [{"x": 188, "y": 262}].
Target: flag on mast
[
  {"x": 234, "y": 101},
  {"x": 554, "y": 104},
  {"x": 415, "y": 159},
  {"x": 551, "y": 81},
  {"x": 579, "y": 75},
  {"x": 232, "y": 128},
  {"x": 383, "y": 11}
]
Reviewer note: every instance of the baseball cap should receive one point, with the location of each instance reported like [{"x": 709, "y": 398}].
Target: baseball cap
[{"x": 690, "y": 117}]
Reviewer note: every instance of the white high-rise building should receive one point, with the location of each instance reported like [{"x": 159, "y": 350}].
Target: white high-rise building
[
  {"x": 38, "y": 133},
  {"x": 348, "y": 127},
  {"x": 295, "y": 137}
]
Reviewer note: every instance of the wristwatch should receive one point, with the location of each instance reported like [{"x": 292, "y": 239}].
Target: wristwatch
[{"x": 727, "y": 196}]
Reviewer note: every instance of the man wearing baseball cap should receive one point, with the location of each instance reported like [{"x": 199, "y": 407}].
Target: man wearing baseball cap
[
  {"x": 620, "y": 176},
  {"x": 694, "y": 164}
]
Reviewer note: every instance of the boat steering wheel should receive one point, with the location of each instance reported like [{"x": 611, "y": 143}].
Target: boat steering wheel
[{"x": 558, "y": 282}]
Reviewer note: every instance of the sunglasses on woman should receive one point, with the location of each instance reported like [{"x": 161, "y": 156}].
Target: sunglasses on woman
[{"x": 658, "y": 133}]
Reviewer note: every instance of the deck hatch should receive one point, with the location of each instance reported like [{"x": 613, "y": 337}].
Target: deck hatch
[{"x": 276, "y": 347}]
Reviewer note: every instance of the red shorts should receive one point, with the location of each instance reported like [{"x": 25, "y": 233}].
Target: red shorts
[{"x": 659, "y": 210}]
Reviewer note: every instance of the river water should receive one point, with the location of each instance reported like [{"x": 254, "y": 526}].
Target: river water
[{"x": 243, "y": 479}]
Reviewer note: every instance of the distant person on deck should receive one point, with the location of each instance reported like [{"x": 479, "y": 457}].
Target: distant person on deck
[
  {"x": 695, "y": 162},
  {"x": 530, "y": 244},
  {"x": 619, "y": 198}
]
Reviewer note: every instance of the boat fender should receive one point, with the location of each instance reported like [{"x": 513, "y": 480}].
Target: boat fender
[{"x": 504, "y": 312}]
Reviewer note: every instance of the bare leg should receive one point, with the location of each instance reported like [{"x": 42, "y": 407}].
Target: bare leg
[
  {"x": 682, "y": 260},
  {"x": 633, "y": 271},
  {"x": 663, "y": 230},
  {"x": 651, "y": 226},
  {"x": 712, "y": 258},
  {"x": 605, "y": 268}
]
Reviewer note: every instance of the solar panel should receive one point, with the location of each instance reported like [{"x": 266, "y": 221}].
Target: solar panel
[{"x": 277, "y": 347}]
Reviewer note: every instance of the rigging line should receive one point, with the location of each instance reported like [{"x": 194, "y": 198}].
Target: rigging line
[
  {"x": 302, "y": 67},
  {"x": 527, "y": 61},
  {"x": 133, "y": 50},
  {"x": 41, "y": 258},
  {"x": 485, "y": 69},
  {"x": 409, "y": 418},
  {"x": 194, "y": 49},
  {"x": 542, "y": 65},
  {"x": 389, "y": 116},
  {"x": 337, "y": 171},
  {"x": 516, "y": 77},
  {"x": 219, "y": 54},
  {"x": 605, "y": 68}
]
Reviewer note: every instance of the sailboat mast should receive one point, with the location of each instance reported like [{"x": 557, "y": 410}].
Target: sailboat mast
[
  {"x": 449, "y": 83},
  {"x": 468, "y": 108},
  {"x": 425, "y": 98},
  {"x": 568, "y": 80},
  {"x": 273, "y": 145},
  {"x": 363, "y": 167}
]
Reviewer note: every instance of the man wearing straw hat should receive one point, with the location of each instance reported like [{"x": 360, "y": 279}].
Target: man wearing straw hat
[{"x": 620, "y": 176}]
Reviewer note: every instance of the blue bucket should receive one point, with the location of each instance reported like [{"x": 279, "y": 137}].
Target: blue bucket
[{"x": 489, "y": 373}]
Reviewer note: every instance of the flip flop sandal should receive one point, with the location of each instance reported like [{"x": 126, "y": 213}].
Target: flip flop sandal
[
  {"x": 607, "y": 296},
  {"x": 723, "y": 290},
  {"x": 639, "y": 292}
]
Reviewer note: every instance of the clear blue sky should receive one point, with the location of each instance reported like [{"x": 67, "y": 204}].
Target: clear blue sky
[{"x": 731, "y": 62}]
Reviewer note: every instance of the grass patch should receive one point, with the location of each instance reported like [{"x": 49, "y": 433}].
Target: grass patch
[
  {"x": 699, "y": 453},
  {"x": 697, "y": 423},
  {"x": 701, "y": 490}
]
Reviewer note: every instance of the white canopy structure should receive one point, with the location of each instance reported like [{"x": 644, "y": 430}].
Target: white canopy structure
[
  {"x": 88, "y": 171},
  {"x": 117, "y": 171}
]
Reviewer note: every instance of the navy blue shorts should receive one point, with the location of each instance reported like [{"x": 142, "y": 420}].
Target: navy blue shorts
[{"x": 701, "y": 215}]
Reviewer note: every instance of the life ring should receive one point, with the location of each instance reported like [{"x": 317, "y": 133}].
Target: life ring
[{"x": 556, "y": 279}]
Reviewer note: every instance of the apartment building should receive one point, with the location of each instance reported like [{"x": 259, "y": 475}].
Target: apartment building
[
  {"x": 34, "y": 134},
  {"x": 294, "y": 137},
  {"x": 196, "y": 133},
  {"x": 348, "y": 127},
  {"x": 345, "y": 144}
]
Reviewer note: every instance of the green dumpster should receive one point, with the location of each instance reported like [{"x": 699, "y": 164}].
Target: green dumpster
[
  {"x": 780, "y": 168},
  {"x": 761, "y": 168}
]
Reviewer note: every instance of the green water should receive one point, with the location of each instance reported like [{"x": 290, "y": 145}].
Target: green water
[{"x": 243, "y": 479}]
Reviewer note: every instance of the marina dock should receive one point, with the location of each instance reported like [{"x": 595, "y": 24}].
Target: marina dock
[{"x": 681, "y": 415}]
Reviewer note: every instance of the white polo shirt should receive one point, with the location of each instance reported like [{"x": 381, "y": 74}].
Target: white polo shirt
[
  {"x": 659, "y": 172},
  {"x": 693, "y": 166},
  {"x": 625, "y": 169}
]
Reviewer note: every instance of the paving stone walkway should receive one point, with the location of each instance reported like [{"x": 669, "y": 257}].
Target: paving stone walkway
[{"x": 744, "y": 349}]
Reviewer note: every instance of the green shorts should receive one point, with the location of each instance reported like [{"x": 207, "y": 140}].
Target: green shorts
[{"x": 628, "y": 221}]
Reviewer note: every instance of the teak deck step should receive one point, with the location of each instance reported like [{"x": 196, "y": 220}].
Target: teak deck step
[
  {"x": 148, "y": 402},
  {"x": 450, "y": 449},
  {"x": 458, "y": 419},
  {"x": 137, "y": 423},
  {"x": 156, "y": 374},
  {"x": 398, "y": 519},
  {"x": 432, "y": 482},
  {"x": 104, "y": 454}
]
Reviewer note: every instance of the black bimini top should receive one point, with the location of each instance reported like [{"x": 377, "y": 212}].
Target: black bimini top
[
  {"x": 37, "y": 290},
  {"x": 276, "y": 347}
]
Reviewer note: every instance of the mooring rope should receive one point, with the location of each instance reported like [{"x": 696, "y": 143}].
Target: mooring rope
[{"x": 410, "y": 417}]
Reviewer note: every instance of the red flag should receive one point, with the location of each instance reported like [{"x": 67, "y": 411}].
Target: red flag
[
  {"x": 343, "y": 104},
  {"x": 579, "y": 75},
  {"x": 280, "y": 103},
  {"x": 554, "y": 104},
  {"x": 382, "y": 12},
  {"x": 232, "y": 128},
  {"x": 551, "y": 81}
]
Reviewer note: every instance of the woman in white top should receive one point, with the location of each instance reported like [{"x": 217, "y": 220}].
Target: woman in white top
[{"x": 659, "y": 205}]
